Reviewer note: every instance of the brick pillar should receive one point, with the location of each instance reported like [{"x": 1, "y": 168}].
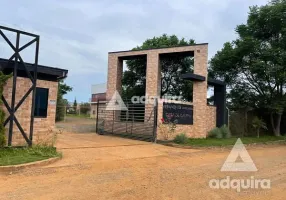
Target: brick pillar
[
  {"x": 114, "y": 82},
  {"x": 200, "y": 92},
  {"x": 153, "y": 80},
  {"x": 114, "y": 78}
]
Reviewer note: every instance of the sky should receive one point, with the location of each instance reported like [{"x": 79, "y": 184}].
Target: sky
[{"x": 78, "y": 34}]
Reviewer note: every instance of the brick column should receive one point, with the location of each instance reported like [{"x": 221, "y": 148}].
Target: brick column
[
  {"x": 200, "y": 91},
  {"x": 114, "y": 82},
  {"x": 114, "y": 77},
  {"x": 153, "y": 80}
]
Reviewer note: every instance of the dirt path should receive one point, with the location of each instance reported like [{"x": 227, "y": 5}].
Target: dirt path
[
  {"x": 114, "y": 168},
  {"x": 78, "y": 124}
]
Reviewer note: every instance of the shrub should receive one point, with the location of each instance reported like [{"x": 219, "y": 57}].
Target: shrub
[
  {"x": 215, "y": 133},
  {"x": 61, "y": 102},
  {"x": 3, "y": 80},
  {"x": 84, "y": 108},
  {"x": 2, "y": 140},
  {"x": 181, "y": 139},
  {"x": 167, "y": 128},
  {"x": 225, "y": 131},
  {"x": 2, "y": 129},
  {"x": 258, "y": 124},
  {"x": 222, "y": 132}
]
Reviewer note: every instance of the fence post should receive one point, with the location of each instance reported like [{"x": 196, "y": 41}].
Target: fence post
[
  {"x": 126, "y": 118},
  {"x": 97, "y": 106},
  {"x": 132, "y": 118},
  {"x": 155, "y": 120},
  {"x": 65, "y": 116},
  {"x": 113, "y": 121},
  {"x": 79, "y": 110}
]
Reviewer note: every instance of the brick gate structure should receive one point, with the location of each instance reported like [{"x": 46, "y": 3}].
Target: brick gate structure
[{"x": 204, "y": 116}]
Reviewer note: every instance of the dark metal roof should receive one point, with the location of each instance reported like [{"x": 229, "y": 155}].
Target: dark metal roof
[
  {"x": 196, "y": 77},
  {"x": 193, "y": 77},
  {"x": 215, "y": 82},
  {"x": 158, "y": 48},
  {"x": 43, "y": 71}
]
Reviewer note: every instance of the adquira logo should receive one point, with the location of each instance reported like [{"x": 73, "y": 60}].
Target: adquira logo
[
  {"x": 116, "y": 103},
  {"x": 238, "y": 151},
  {"x": 245, "y": 165}
]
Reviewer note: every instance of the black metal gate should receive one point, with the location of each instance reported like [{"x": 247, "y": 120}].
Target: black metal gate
[{"x": 139, "y": 121}]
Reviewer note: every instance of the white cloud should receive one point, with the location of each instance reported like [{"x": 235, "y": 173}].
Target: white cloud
[{"x": 77, "y": 35}]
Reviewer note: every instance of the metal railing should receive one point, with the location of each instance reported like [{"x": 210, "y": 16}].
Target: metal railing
[{"x": 139, "y": 121}]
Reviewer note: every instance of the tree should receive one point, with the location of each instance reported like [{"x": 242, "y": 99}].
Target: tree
[
  {"x": 75, "y": 104},
  {"x": 62, "y": 103},
  {"x": 84, "y": 108},
  {"x": 258, "y": 124},
  {"x": 134, "y": 78},
  {"x": 254, "y": 65}
]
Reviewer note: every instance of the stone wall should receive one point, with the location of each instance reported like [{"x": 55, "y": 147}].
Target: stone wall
[{"x": 43, "y": 127}]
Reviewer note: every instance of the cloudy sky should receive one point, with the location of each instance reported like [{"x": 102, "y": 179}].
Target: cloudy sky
[{"x": 78, "y": 34}]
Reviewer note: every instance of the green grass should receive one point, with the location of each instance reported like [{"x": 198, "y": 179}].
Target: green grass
[
  {"x": 209, "y": 142},
  {"x": 14, "y": 156}
]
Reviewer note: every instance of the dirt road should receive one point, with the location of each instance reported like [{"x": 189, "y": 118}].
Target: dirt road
[{"x": 102, "y": 167}]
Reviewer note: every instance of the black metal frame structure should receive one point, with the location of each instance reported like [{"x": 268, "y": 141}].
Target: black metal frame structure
[
  {"x": 16, "y": 57},
  {"x": 219, "y": 96}
]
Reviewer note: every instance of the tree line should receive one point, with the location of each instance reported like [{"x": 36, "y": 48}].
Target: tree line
[{"x": 253, "y": 66}]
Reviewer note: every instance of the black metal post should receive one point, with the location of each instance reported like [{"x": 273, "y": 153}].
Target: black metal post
[
  {"x": 113, "y": 121},
  {"x": 12, "y": 114},
  {"x": 126, "y": 119},
  {"x": 97, "y": 116},
  {"x": 18, "y": 59},
  {"x": 132, "y": 111},
  {"x": 155, "y": 120},
  {"x": 18, "y": 31},
  {"x": 220, "y": 103},
  {"x": 34, "y": 91}
]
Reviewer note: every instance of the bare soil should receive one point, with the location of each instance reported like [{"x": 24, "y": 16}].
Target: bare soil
[{"x": 105, "y": 167}]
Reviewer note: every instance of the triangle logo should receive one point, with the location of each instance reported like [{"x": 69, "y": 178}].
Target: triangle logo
[
  {"x": 238, "y": 153},
  {"x": 116, "y": 103}
]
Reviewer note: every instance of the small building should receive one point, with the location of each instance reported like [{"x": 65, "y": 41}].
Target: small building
[
  {"x": 98, "y": 96},
  {"x": 45, "y": 101}
]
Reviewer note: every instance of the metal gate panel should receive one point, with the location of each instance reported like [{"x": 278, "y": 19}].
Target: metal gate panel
[{"x": 139, "y": 121}]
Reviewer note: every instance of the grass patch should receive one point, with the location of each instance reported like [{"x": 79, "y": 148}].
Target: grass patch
[
  {"x": 15, "y": 156},
  {"x": 208, "y": 142}
]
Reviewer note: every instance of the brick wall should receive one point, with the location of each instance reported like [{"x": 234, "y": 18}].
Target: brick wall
[
  {"x": 210, "y": 118},
  {"x": 193, "y": 131},
  {"x": 98, "y": 97},
  {"x": 42, "y": 126}
]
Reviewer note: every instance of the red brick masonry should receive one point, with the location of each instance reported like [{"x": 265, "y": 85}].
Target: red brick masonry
[
  {"x": 204, "y": 116},
  {"x": 43, "y": 127}
]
